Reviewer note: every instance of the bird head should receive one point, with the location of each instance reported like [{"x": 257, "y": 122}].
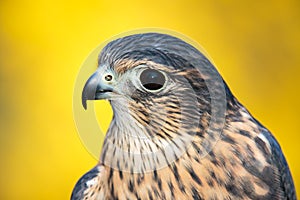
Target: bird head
[{"x": 163, "y": 92}]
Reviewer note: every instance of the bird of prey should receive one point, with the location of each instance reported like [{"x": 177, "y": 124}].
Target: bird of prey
[{"x": 177, "y": 130}]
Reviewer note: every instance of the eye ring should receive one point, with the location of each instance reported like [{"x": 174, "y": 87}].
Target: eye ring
[{"x": 152, "y": 80}]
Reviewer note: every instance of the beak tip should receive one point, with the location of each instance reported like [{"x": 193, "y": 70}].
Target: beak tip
[
  {"x": 84, "y": 104},
  {"x": 89, "y": 89}
]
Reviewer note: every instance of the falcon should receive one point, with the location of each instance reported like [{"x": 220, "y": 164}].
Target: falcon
[{"x": 177, "y": 130}]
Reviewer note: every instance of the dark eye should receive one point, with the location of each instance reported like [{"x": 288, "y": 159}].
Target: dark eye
[{"x": 152, "y": 79}]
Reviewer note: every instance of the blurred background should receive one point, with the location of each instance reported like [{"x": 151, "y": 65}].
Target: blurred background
[{"x": 255, "y": 46}]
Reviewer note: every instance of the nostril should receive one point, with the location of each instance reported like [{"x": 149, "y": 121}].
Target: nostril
[{"x": 108, "y": 77}]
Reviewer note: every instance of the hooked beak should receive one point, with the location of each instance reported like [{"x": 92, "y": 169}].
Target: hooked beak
[{"x": 95, "y": 89}]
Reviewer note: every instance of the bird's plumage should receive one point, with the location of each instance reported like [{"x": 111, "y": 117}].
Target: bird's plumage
[{"x": 177, "y": 131}]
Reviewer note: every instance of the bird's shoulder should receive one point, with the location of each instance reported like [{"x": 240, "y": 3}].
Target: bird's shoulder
[
  {"x": 90, "y": 186},
  {"x": 274, "y": 170},
  {"x": 279, "y": 161},
  {"x": 259, "y": 153}
]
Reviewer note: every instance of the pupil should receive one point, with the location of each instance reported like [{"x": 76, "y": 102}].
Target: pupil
[{"x": 152, "y": 79}]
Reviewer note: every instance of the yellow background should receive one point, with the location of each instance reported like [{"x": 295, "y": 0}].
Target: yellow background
[{"x": 255, "y": 46}]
